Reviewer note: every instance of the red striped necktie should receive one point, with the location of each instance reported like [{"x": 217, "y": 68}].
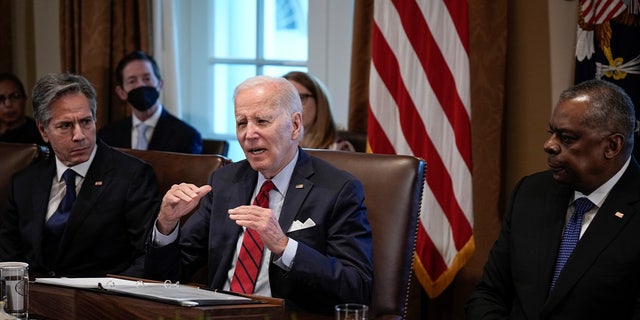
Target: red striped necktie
[{"x": 250, "y": 257}]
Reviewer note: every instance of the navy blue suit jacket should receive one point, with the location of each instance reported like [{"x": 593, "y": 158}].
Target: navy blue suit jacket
[
  {"x": 108, "y": 225},
  {"x": 601, "y": 279},
  {"x": 333, "y": 263},
  {"x": 170, "y": 134}
]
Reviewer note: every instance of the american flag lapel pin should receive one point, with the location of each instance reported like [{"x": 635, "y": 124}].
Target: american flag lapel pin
[
  {"x": 98, "y": 183},
  {"x": 619, "y": 214},
  {"x": 299, "y": 186}
]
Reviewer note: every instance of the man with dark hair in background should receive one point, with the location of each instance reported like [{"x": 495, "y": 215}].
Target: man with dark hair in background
[{"x": 150, "y": 126}]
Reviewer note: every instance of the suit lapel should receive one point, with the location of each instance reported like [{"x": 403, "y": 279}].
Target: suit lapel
[
  {"x": 241, "y": 195},
  {"x": 601, "y": 231},
  {"x": 549, "y": 238},
  {"x": 237, "y": 193},
  {"x": 41, "y": 191},
  {"x": 97, "y": 179},
  {"x": 128, "y": 128},
  {"x": 299, "y": 187},
  {"x": 160, "y": 137},
  {"x": 123, "y": 130}
]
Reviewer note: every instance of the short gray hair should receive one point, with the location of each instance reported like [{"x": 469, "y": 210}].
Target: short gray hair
[
  {"x": 284, "y": 94},
  {"x": 610, "y": 108},
  {"x": 53, "y": 86}
]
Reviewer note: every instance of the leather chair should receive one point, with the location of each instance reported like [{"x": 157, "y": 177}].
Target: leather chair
[
  {"x": 13, "y": 158},
  {"x": 173, "y": 168},
  {"x": 393, "y": 187},
  {"x": 212, "y": 146}
]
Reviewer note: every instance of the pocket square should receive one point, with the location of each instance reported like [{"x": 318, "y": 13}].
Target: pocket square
[{"x": 297, "y": 225}]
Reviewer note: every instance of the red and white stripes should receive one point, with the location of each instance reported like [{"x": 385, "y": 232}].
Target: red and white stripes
[
  {"x": 420, "y": 105},
  {"x": 599, "y": 11}
]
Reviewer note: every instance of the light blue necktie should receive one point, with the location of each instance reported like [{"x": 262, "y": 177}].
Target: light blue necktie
[
  {"x": 571, "y": 235},
  {"x": 142, "y": 136}
]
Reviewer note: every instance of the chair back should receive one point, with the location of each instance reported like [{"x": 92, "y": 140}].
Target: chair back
[
  {"x": 393, "y": 187},
  {"x": 174, "y": 168},
  {"x": 13, "y": 158},
  {"x": 212, "y": 146}
]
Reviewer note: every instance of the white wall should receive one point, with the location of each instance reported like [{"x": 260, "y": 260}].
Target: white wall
[
  {"x": 330, "y": 33},
  {"x": 563, "y": 21}
]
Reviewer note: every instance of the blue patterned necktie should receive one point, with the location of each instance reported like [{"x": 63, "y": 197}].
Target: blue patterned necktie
[
  {"x": 142, "y": 137},
  {"x": 571, "y": 235},
  {"x": 58, "y": 220}
]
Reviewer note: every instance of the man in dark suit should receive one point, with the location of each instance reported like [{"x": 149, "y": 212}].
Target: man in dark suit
[
  {"x": 150, "y": 126},
  {"x": 109, "y": 196},
  {"x": 531, "y": 272},
  {"x": 317, "y": 239}
]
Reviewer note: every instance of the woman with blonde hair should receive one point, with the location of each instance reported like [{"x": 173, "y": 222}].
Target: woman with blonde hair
[{"x": 319, "y": 129}]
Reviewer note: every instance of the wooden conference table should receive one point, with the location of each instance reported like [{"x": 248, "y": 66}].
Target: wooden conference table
[{"x": 56, "y": 302}]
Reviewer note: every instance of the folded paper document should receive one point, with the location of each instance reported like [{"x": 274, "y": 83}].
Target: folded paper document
[
  {"x": 85, "y": 283},
  {"x": 183, "y": 295}
]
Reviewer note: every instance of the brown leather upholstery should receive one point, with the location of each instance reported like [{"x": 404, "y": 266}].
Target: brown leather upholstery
[
  {"x": 173, "y": 168},
  {"x": 212, "y": 146},
  {"x": 13, "y": 158},
  {"x": 393, "y": 187}
]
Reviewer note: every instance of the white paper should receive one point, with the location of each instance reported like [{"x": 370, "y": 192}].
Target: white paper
[
  {"x": 169, "y": 292},
  {"x": 85, "y": 283}
]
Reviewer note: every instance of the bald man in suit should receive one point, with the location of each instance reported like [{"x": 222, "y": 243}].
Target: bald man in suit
[{"x": 589, "y": 156}]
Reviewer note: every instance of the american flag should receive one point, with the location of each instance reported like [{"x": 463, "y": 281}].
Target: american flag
[
  {"x": 419, "y": 105},
  {"x": 599, "y": 11},
  {"x": 607, "y": 46}
]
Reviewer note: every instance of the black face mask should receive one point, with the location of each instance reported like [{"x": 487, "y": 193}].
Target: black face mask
[{"x": 142, "y": 98}]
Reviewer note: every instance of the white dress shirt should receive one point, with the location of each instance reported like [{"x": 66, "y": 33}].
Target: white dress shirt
[
  {"x": 58, "y": 188},
  {"x": 151, "y": 123},
  {"x": 597, "y": 197},
  {"x": 276, "y": 199}
]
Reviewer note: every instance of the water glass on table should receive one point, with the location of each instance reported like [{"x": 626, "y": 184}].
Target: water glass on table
[
  {"x": 352, "y": 311},
  {"x": 14, "y": 288}
]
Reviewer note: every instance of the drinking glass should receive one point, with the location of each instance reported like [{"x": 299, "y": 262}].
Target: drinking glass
[
  {"x": 14, "y": 280},
  {"x": 351, "y": 311}
]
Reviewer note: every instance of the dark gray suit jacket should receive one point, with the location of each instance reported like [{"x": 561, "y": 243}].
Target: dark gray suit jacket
[
  {"x": 170, "y": 134},
  {"x": 601, "y": 279},
  {"x": 334, "y": 259},
  {"x": 108, "y": 225}
]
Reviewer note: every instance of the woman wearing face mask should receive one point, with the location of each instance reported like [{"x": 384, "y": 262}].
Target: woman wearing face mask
[
  {"x": 319, "y": 129},
  {"x": 150, "y": 126}
]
